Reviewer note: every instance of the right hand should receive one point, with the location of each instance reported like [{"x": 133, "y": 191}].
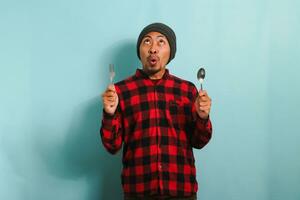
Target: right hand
[{"x": 110, "y": 100}]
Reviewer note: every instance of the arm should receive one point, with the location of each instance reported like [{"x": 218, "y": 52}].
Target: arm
[
  {"x": 201, "y": 130},
  {"x": 111, "y": 129},
  {"x": 111, "y": 132},
  {"x": 201, "y": 124}
]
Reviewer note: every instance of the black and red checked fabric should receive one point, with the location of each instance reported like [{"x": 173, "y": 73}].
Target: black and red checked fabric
[{"x": 158, "y": 126}]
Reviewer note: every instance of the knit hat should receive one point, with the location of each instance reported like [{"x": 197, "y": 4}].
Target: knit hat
[{"x": 163, "y": 29}]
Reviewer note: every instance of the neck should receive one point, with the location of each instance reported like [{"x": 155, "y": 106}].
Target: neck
[{"x": 155, "y": 75}]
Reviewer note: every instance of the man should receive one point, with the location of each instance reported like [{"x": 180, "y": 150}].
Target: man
[{"x": 158, "y": 118}]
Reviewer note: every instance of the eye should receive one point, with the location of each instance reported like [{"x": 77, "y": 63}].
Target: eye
[
  {"x": 161, "y": 42},
  {"x": 147, "y": 41}
]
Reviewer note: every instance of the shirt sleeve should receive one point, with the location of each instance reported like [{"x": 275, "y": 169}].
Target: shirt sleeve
[
  {"x": 111, "y": 132},
  {"x": 201, "y": 128}
]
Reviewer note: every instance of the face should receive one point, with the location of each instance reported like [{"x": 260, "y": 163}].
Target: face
[{"x": 154, "y": 53}]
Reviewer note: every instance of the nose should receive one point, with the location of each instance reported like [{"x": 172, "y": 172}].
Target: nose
[{"x": 153, "y": 49}]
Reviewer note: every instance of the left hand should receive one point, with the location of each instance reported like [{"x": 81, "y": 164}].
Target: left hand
[{"x": 203, "y": 104}]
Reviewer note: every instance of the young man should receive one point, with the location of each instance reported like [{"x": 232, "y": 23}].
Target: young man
[{"x": 159, "y": 118}]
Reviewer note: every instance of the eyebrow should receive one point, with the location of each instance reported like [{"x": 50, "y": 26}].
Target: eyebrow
[{"x": 162, "y": 36}]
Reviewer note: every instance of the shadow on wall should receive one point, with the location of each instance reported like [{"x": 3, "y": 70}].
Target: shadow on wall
[{"x": 82, "y": 155}]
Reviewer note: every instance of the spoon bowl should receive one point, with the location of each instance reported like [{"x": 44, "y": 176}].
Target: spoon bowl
[{"x": 201, "y": 74}]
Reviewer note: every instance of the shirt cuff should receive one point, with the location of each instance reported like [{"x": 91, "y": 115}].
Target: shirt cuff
[
  {"x": 109, "y": 121},
  {"x": 197, "y": 118},
  {"x": 108, "y": 116}
]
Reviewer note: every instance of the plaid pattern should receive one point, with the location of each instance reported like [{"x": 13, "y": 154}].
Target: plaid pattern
[{"x": 158, "y": 126}]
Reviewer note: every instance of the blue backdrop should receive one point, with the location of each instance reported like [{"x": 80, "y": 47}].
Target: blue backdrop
[{"x": 54, "y": 58}]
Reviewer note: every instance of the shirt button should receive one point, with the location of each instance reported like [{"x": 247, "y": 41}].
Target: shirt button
[{"x": 159, "y": 166}]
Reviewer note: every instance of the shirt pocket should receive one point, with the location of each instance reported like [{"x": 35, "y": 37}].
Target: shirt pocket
[{"x": 175, "y": 111}]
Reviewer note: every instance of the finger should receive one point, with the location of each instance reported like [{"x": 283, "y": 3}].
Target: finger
[
  {"x": 111, "y": 87},
  {"x": 109, "y": 104},
  {"x": 206, "y": 103},
  {"x": 202, "y": 93},
  {"x": 205, "y": 98},
  {"x": 109, "y": 94},
  {"x": 205, "y": 109},
  {"x": 109, "y": 91},
  {"x": 110, "y": 99}
]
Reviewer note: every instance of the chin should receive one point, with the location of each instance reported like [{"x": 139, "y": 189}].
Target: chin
[{"x": 153, "y": 69}]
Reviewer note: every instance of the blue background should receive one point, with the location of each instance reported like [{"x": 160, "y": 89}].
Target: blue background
[{"x": 54, "y": 58}]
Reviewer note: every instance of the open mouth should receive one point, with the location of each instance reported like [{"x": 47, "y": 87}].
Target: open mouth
[{"x": 152, "y": 60}]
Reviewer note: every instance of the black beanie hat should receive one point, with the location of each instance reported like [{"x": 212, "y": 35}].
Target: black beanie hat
[{"x": 163, "y": 29}]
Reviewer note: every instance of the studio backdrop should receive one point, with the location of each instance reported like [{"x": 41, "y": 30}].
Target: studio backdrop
[{"x": 54, "y": 58}]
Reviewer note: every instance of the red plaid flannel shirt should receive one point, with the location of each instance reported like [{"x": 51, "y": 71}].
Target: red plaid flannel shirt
[{"x": 158, "y": 127}]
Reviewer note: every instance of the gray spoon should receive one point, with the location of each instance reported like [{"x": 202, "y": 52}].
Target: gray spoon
[{"x": 201, "y": 75}]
